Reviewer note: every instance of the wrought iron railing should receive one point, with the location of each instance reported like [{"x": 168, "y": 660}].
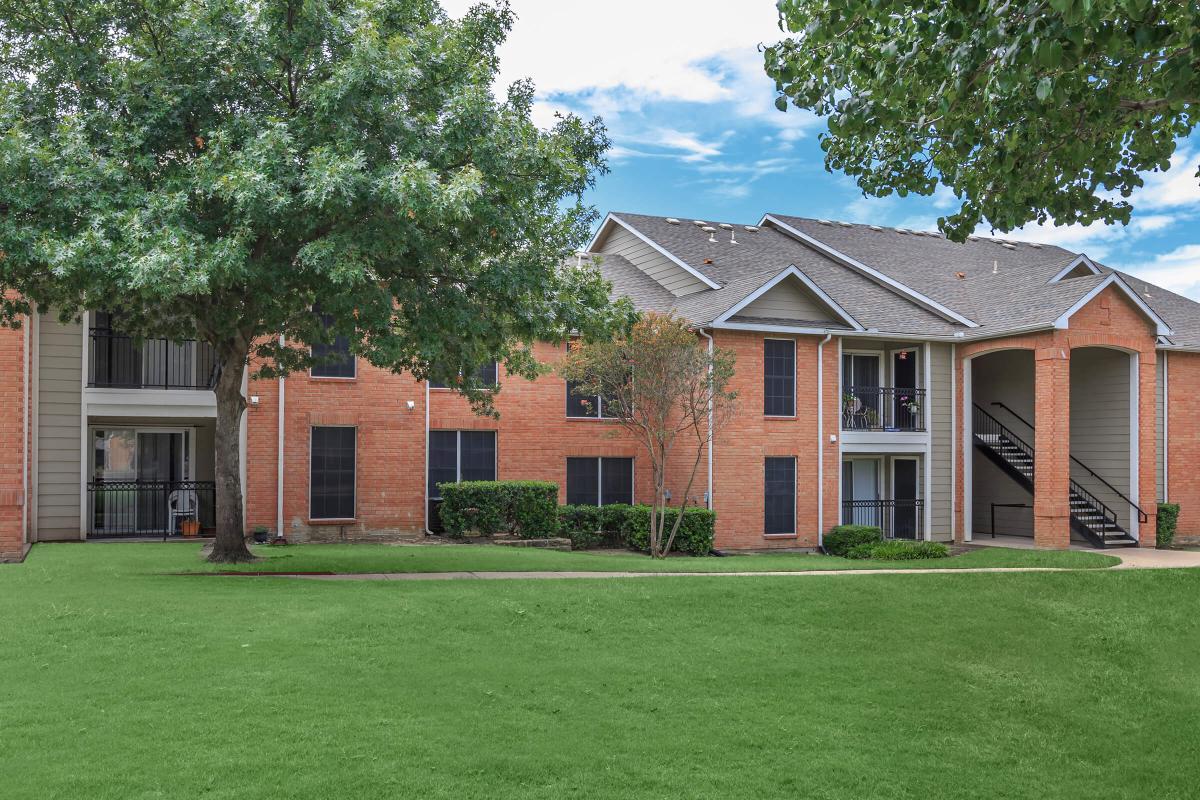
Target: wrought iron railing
[
  {"x": 882, "y": 408},
  {"x": 117, "y": 361},
  {"x": 149, "y": 508},
  {"x": 898, "y": 519}
]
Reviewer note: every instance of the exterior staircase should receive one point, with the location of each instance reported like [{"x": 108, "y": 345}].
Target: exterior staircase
[{"x": 1090, "y": 517}]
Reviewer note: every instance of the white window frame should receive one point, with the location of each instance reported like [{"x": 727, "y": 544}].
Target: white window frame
[
  {"x": 354, "y": 504},
  {"x": 795, "y": 369}
]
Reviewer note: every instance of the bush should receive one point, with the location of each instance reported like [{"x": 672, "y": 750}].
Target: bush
[
  {"x": 594, "y": 526},
  {"x": 695, "y": 535},
  {"x": 1168, "y": 518},
  {"x": 528, "y": 509},
  {"x": 840, "y": 540},
  {"x": 898, "y": 550}
]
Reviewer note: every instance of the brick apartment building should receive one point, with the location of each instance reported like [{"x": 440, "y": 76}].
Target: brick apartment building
[{"x": 886, "y": 376}]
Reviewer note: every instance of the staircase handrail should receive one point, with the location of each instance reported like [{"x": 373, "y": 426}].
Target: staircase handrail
[{"x": 1142, "y": 517}]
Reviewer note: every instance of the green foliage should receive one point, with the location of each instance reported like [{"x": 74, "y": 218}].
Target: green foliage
[
  {"x": 898, "y": 550},
  {"x": 695, "y": 536},
  {"x": 527, "y": 509},
  {"x": 842, "y": 538},
  {"x": 1025, "y": 112},
  {"x": 594, "y": 526},
  {"x": 1168, "y": 518}
]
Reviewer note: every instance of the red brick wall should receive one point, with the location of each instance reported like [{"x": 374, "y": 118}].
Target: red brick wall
[
  {"x": 13, "y": 395},
  {"x": 1183, "y": 442}
]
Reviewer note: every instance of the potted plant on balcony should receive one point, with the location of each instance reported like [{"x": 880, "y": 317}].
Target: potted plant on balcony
[
  {"x": 910, "y": 405},
  {"x": 190, "y": 528}
]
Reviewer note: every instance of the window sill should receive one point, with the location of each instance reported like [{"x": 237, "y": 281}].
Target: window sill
[
  {"x": 312, "y": 377},
  {"x": 778, "y": 417},
  {"x": 781, "y": 536},
  {"x": 347, "y": 521},
  {"x": 591, "y": 419}
]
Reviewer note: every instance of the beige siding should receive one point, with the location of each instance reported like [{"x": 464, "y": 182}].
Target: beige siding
[
  {"x": 1160, "y": 408},
  {"x": 788, "y": 299},
  {"x": 60, "y": 394},
  {"x": 1100, "y": 423},
  {"x": 941, "y": 437},
  {"x": 1005, "y": 377},
  {"x": 675, "y": 278}
]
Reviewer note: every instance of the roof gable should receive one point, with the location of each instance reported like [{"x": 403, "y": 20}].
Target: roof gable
[
  {"x": 793, "y": 297},
  {"x": 1119, "y": 285},
  {"x": 1080, "y": 267}
]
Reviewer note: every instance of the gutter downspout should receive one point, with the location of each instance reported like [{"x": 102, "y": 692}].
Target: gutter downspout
[
  {"x": 821, "y": 441},
  {"x": 1166, "y": 441},
  {"x": 428, "y": 532},
  {"x": 279, "y": 456},
  {"x": 26, "y": 394},
  {"x": 709, "y": 495}
]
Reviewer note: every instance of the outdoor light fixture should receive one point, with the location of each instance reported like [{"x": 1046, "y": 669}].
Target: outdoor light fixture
[{"x": 411, "y": 404}]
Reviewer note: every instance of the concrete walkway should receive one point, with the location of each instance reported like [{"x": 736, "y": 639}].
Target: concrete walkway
[{"x": 1130, "y": 559}]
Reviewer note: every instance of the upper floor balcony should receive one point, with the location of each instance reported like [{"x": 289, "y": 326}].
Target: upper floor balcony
[
  {"x": 118, "y": 361},
  {"x": 883, "y": 388},
  {"x": 882, "y": 408}
]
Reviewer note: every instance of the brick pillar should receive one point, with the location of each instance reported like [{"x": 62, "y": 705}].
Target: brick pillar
[
  {"x": 1052, "y": 396},
  {"x": 1148, "y": 444}
]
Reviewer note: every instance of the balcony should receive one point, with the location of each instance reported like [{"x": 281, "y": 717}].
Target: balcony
[
  {"x": 118, "y": 361},
  {"x": 883, "y": 408},
  {"x": 148, "y": 507},
  {"x": 897, "y": 519}
]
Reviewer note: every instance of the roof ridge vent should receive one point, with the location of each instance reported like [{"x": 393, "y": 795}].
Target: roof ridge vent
[
  {"x": 751, "y": 228},
  {"x": 672, "y": 221},
  {"x": 846, "y": 224},
  {"x": 1035, "y": 245},
  {"x": 725, "y": 226},
  {"x": 1008, "y": 245},
  {"x": 902, "y": 230},
  {"x": 875, "y": 228},
  {"x": 712, "y": 233},
  {"x": 824, "y": 222},
  {"x": 699, "y": 222}
]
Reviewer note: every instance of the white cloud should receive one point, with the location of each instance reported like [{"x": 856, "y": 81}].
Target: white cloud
[
  {"x": 1177, "y": 270},
  {"x": 1177, "y": 187}
]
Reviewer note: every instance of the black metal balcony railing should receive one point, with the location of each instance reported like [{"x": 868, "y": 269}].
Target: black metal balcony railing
[
  {"x": 882, "y": 408},
  {"x": 117, "y": 361},
  {"x": 149, "y": 508},
  {"x": 898, "y": 519}
]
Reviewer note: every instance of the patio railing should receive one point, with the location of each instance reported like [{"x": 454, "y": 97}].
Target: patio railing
[
  {"x": 149, "y": 508},
  {"x": 117, "y": 361},
  {"x": 898, "y": 519},
  {"x": 882, "y": 408}
]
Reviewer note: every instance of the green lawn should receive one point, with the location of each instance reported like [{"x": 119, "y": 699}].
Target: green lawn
[
  {"x": 122, "y": 681},
  {"x": 485, "y": 558}
]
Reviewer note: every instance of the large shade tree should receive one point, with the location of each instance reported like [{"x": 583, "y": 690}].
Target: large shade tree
[
  {"x": 1029, "y": 110},
  {"x": 211, "y": 169}
]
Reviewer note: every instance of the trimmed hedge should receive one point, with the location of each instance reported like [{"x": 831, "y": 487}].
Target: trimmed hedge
[
  {"x": 898, "y": 550},
  {"x": 594, "y": 526},
  {"x": 695, "y": 536},
  {"x": 528, "y": 509},
  {"x": 1168, "y": 518},
  {"x": 841, "y": 539}
]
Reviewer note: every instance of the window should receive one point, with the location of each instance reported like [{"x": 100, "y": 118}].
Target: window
[
  {"x": 331, "y": 473},
  {"x": 583, "y": 405},
  {"x": 779, "y": 377},
  {"x": 599, "y": 481},
  {"x": 332, "y": 360},
  {"x": 487, "y": 374},
  {"x": 458, "y": 456},
  {"x": 779, "y": 496}
]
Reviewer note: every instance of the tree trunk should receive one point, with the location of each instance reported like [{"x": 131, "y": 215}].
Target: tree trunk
[{"x": 230, "y": 543}]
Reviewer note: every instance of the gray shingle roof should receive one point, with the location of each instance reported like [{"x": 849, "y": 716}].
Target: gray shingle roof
[{"x": 1002, "y": 288}]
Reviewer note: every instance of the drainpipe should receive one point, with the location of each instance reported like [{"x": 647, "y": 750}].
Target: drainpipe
[
  {"x": 1166, "y": 412},
  {"x": 26, "y": 394},
  {"x": 279, "y": 458},
  {"x": 428, "y": 532},
  {"x": 711, "y": 443},
  {"x": 821, "y": 440}
]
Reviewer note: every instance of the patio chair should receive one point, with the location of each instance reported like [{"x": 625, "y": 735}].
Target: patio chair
[{"x": 181, "y": 504}]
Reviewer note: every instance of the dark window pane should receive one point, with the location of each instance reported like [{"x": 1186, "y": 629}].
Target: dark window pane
[
  {"x": 581, "y": 405},
  {"x": 331, "y": 474},
  {"x": 488, "y": 374},
  {"x": 478, "y": 458},
  {"x": 583, "y": 476},
  {"x": 443, "y": 460},
  {"x": 779, "y": 496},
  {"x": 779, "y": 377},
  {"x": 333, "y": 360},
  {"x": 616, "y": 481}
]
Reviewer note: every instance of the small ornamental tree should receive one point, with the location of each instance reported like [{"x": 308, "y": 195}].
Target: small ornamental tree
[
  {"x": 1028, "y": 110},
  {"x": 214, "y": 170},
  {"x": 661, "y": 384}
]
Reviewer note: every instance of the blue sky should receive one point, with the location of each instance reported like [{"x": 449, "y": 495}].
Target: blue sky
[{"x": 696, "y": 134}]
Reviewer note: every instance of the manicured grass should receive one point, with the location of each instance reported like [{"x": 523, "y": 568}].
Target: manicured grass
[
  {"x": 486, "y": 558},
  {"x": 123, "y": 681}
]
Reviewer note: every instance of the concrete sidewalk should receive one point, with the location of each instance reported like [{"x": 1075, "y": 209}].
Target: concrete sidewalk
[{"x": 1130, "y": 559}]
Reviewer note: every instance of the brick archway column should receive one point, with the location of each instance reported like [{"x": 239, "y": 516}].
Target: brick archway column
[{"x": 1052, "y": 461}]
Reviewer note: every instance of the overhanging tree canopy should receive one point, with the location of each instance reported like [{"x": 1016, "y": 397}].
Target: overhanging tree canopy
[
  {"x": 213, "y": 169},
  {"x": 1029, "y": 110}
]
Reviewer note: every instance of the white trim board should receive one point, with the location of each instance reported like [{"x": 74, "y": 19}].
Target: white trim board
[
  {"x": 695, "y": 273},
  {"x": 1079, "y": 261},
  {"x": 791, "y": 271},
  {"x": 1113, "y": 279},
  {"x": 922, "y": 300}
]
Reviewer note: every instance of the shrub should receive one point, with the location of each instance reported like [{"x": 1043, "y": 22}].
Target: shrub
[
  {"x": 528, "y": 509},
  {"x": 695, "y": 535},
  {"x": 898, "y": 550},
  {"x": 594, "y": 526},
  {"x": 840, "y": 540},
  {"x": 1168, "y": 518}
]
